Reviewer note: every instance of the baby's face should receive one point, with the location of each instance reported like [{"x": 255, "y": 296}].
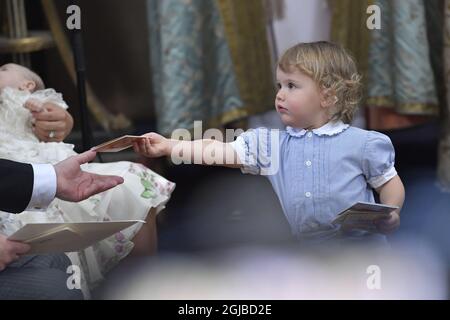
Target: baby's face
[
  {"x": 298, "y": 101},
  {"x": 11, "y": 76}
]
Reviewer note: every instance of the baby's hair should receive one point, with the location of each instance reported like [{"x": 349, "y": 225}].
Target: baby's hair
[
  {"x": 29, "y": 75},
  {"x": 333, "y": 69}
]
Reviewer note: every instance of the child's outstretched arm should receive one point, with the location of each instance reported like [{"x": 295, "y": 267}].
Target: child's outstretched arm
[
  {"x": 391, "y": 193},
  {"x": 206, "y": 152}
]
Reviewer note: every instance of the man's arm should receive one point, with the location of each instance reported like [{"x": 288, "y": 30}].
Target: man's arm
[
  {"x": 74, "y": 184},
  {"x": 22, "y": 187},
  {"x": 16, "y": 186}
]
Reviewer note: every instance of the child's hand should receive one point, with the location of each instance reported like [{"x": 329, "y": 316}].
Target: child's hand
[
  {"x": 34, "y": 105},
  {"x": 388, "y": 225},
  {"x": 153, "y": 146}
]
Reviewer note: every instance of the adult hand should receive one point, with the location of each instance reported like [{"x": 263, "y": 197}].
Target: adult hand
[
  {"x": 10, "y": 251},
  {"x": 76, "y": 185},
  {"x": 51, "y": 122}
]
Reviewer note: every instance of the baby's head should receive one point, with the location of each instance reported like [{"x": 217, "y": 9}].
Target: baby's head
[
  {"x": 317, "y": 82},
  {"x": 18, "y": 77}
]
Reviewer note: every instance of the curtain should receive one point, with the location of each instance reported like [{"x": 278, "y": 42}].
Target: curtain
[
  {"x": 402, "y": 89},
  {"x": 210, "y": 61},
  {"x": 402, "y": 79},
  {"x": 400, "y": 72},
  {"x": 348, "y": 28},
  {"x": 246, "y": 33},
  {"x": 409, "y": 71}
]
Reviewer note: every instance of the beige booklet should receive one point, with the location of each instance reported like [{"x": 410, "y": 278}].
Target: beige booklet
[
  {"x": 117, "y": 144},
  {"x": 67, "y": 237},
  {"x": 362, "y": 215}
]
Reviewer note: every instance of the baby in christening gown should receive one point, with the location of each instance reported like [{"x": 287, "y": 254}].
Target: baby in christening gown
[{"x": 143, "y": 194}]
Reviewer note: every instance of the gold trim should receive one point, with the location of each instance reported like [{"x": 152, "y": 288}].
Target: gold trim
[
  {"x": 348, "y": 28},
  {"x": 246, "y": 34},
  {"x": 36, "y": 41},
  {"x": 380, "y": 102},
  {"x": 227, "y": 117},
  {"x": 410, "y": 108}
]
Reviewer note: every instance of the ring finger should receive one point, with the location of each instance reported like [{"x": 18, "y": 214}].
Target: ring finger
[{"x": 44, "y": 135}]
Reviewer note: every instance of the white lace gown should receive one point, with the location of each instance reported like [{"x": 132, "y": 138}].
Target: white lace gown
[{"x": 142, "y": 190}]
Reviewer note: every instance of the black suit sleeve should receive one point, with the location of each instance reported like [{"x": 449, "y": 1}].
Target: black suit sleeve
[{"x": 16, "y": 186}]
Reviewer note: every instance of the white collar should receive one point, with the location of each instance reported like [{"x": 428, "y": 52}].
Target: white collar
[{"x": 328, "y": 129}]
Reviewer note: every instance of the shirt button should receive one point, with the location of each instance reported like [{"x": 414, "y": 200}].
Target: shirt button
[
  {"x": 308, "y": 194},
  {"x": 309, "y": 135},
  {"x": 308, "y": 163}
]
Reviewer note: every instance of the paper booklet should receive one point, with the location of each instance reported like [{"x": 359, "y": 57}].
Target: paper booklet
[
  {"x": 67, "y": 237},
  {"x": 361, "y": 215},
  {"x": 117, "y": 144}
]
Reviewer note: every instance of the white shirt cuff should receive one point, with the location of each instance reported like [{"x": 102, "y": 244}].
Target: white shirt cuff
[
  {"x": 44, "y": 186},
  {"x": 385, "y": 177}
]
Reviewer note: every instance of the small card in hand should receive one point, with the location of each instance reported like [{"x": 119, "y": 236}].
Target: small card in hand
[
  {"x": 361, "y": 215},
  {"x": 118, "y": 144}
]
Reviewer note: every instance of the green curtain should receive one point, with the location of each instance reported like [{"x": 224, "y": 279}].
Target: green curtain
[
  {"x": 407, "y": 62},
  {"x": 400, "y": 71},
  {"x": 348, "y": 28},
  {"x": 245, "y": 30}
]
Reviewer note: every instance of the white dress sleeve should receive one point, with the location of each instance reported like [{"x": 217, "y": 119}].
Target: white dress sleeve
[
  {"x": 50, "y": 95},
  {"x": 378, "y": 159}
]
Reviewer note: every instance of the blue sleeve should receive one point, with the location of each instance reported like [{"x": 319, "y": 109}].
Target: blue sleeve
[
  {"x": 258, "y": 151},
  {"x": 378, "y": 159}
]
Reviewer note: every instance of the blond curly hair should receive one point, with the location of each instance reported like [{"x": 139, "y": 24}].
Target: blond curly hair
[{"x": 333, "y": 69}]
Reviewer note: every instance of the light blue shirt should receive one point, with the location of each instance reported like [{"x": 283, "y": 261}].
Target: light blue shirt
[{"x": 318, "y": 173}]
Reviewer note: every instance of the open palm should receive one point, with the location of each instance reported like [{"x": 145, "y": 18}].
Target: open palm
[{"x": 74, "y": 184}]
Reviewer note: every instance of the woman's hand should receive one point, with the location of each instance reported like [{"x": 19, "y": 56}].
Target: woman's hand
[
  {"x": 153, "y": 146},
  {"x": 51, "y": 122},
  {"x": 35, "y": 105}
]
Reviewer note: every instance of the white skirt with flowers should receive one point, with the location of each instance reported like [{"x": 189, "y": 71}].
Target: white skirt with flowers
[{"x": 141, "y": 191}]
